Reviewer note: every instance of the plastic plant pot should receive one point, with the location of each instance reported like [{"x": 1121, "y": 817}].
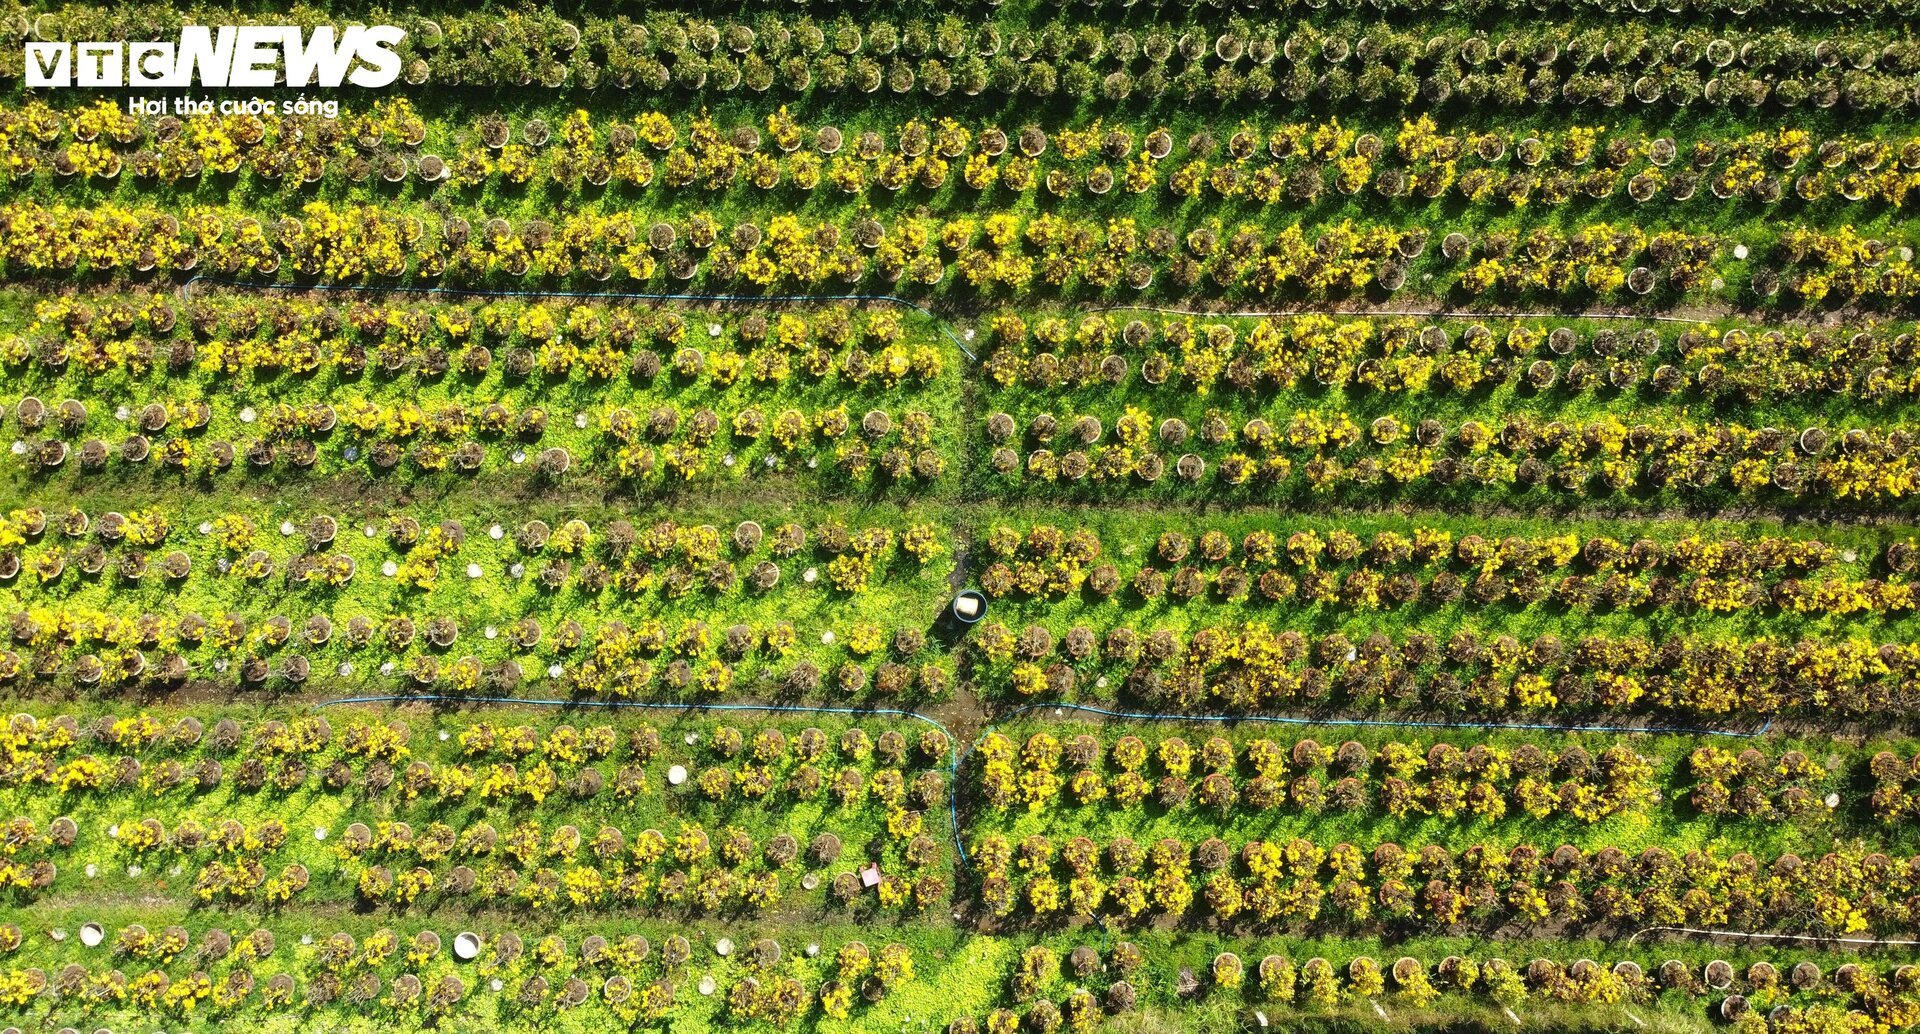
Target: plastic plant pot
[{"x": 969, "y": 607}]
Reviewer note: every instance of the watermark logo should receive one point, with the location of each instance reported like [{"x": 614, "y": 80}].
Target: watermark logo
[{"x": 241, "y": 57}]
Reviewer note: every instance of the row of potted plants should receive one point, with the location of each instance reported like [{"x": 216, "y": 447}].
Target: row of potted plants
[
  {"x": 1408, "y": 780},
  {"x": 1300, "y": 882},
  {"x": 1257, "y": 667},
  {"x": 677, "y": 560},
  {"x": 401, "y": 349},
  {"x": 453, "y": 326},
  {"x": 85, "y": 648},
  {"x": 1061, "y": 554},
  {"x": 415, "y": 978},
  {"x": 1249, "y": 59},
  {"x": 1005, "y": 251},
  {"x": 31, "y": 739},
  {"x": 1604, "y": 456},
  {"x": 1293, "y": 163},
  {"x": 1400, "y": 356},
  {"x": 499, "y": 436}
]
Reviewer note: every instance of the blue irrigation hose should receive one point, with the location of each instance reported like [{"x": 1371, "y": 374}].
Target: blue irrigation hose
[
  {"x": 186, "y": 291},
  {"x": 954, "y": 756}
]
